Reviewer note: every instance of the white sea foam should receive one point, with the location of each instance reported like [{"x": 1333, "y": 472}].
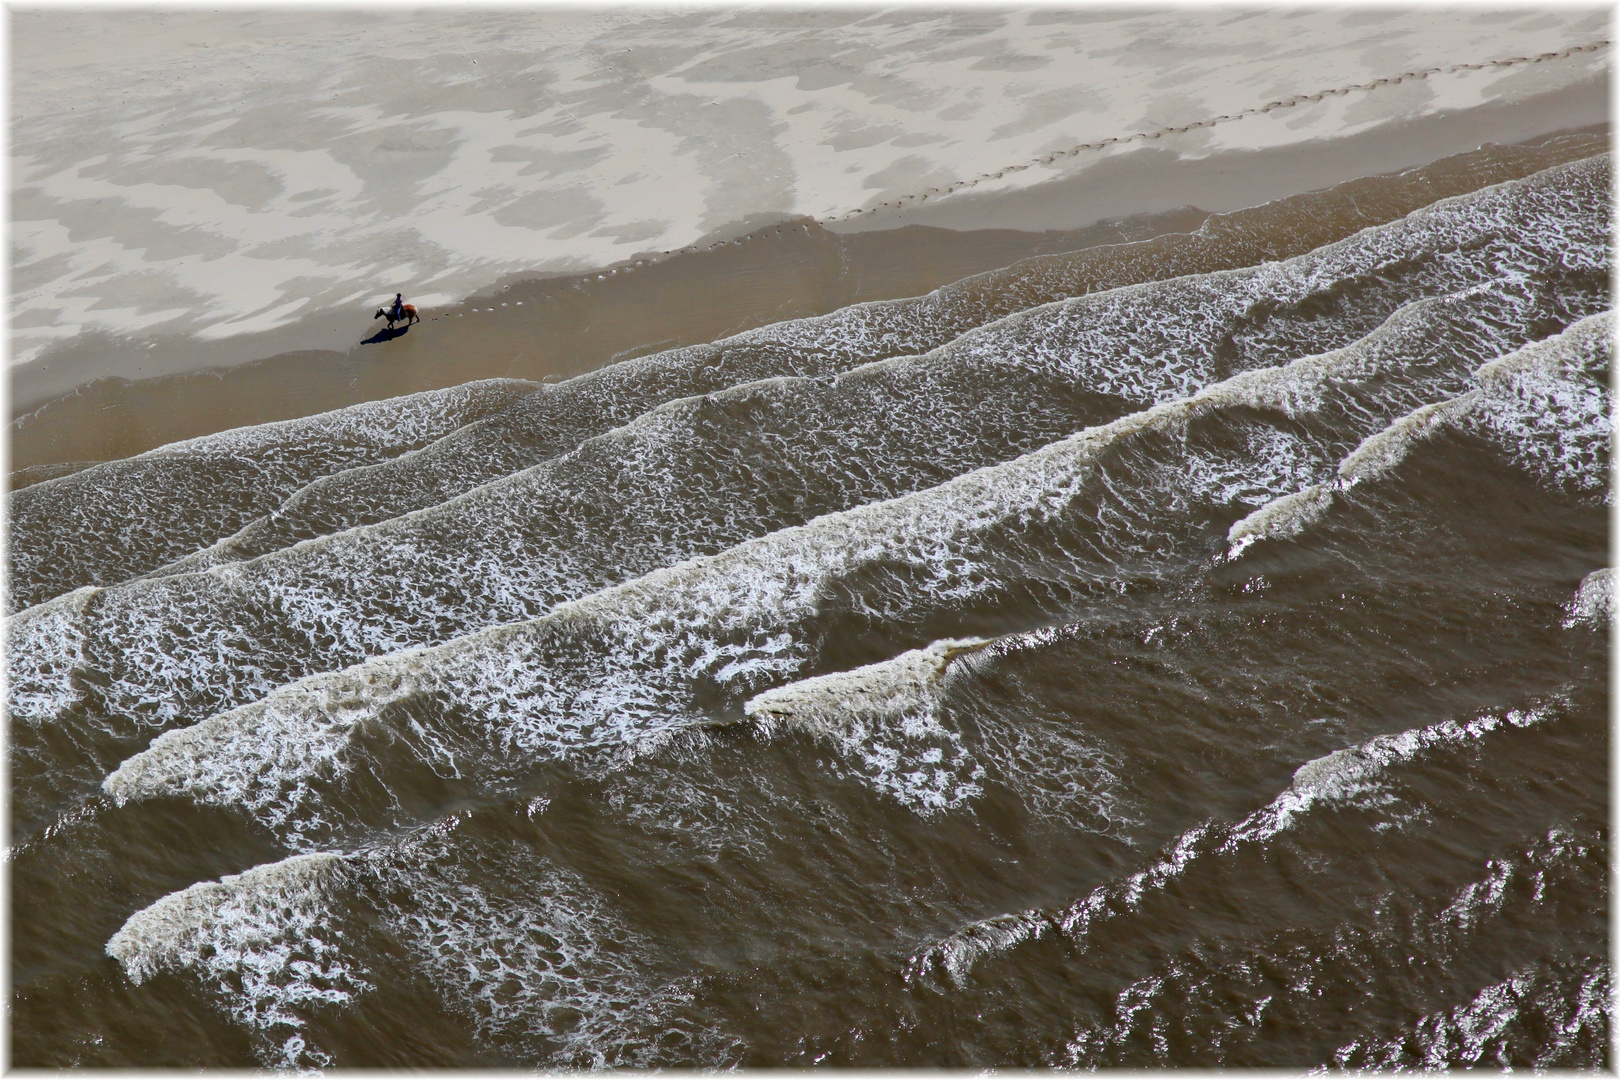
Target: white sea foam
[
  {"x": 44, "y": 644},
  {"x": 1291, "y": 514},
  {"x": 1355, "y": 775},
  {"x": 605, "y": 672},
  {"x": 1543, "y": 402},
  {"x": 389, "y": 424},
  {"x": 882, "y": 719},
  {"x": 886, "y": 722},
  {"x": 538, "y": 962},
  {"x": 115, "y": 520},
  {"x": 1549, "y": 405},
  {"x": 1593, "y": 602},
  {"x": 263, "y": 941},
  {"x": 958, "y": 952},
  {"x": 531, "y": 957},
  {"x": 1001, "y": 344}
]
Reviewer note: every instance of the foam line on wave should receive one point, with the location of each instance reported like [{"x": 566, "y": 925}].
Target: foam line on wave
[
  {"x": 1165, "y": 361},
  {"x": 542, "y": 426},
  {"x": 262, "y": 941},
  {"x": 45, "y": 644},
  {"x": 1546, "y": 404},
  {"x": 610, "y": 673},
  {"x": 1348, "y": 777},
  {"x": 1551, "y": 1015},
  {"x": 882, "y": 718},
  {"x": 528, "y": 954},
  {"x": 1251, "y": 999},
  {"x": 119, "y": 518},
  {"x": 1549, "y": 407}
]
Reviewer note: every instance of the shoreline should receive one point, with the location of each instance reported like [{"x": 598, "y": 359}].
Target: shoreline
[
  {"x": 197, "y": 207},
  {"x": 783, "y": 269},
  {"x": 552, "y": 327}
]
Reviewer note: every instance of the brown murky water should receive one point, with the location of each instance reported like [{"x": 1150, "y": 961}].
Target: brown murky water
[{"x": 1184, "y": 652}]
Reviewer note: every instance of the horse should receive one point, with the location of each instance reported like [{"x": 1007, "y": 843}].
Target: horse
[{"x": 406, "y": 312}]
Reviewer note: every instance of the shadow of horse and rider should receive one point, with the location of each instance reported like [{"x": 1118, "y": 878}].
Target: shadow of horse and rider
[{"x": 405, "y": 313}]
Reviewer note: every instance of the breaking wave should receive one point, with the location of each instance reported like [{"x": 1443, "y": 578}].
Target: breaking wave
[{"x": 1236, "y": 628}]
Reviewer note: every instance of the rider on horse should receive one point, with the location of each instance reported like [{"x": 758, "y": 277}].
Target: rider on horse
[{"x": 398, "y": 310}]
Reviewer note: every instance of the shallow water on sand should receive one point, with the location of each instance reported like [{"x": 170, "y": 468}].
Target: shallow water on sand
[{"x": 1185, "y": 652}]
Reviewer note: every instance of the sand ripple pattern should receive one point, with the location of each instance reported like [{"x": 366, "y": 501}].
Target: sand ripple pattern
[{"x": 1417, "y": 75}]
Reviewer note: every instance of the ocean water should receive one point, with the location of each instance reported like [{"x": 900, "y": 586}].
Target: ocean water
[{"x": 1191, "y": 652}]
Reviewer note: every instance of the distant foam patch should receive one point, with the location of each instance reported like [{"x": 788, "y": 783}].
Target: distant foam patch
[{"x": 1593, "y": 602}]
